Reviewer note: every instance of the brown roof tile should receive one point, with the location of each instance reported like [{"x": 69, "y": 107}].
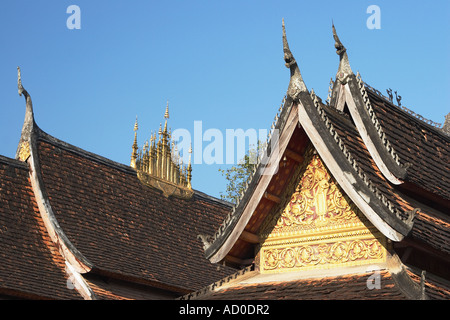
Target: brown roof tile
[
  {"x": 30, "y": 264},
  {"x": 423, "y": 146},
  {"x": 126, "y": 228},
  {"x": 346, "y": 287}
]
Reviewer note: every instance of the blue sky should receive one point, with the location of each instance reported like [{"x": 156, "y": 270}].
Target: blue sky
[{"x": 220, "y": 62}]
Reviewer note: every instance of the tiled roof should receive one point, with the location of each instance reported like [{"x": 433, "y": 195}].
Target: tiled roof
[
  {"x": 428, "y": 227},
  {"x": 31, "y": 266},
  {"x": 124, "y": 228},
  {"x": 352, "y": 140},
  {"x": 345, "y": 287},
  {"x": 417, "y": 143}
]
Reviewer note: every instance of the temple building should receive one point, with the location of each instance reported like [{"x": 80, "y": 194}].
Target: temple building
[
  {"x": 75, "y": 225},
  {"x": 357, "y": 207},
  {"x": 349, "y": 200}
]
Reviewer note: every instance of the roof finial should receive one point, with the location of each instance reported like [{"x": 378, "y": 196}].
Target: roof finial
[
  {"x": 166, "y": 114},
  {"x": 344, "y": 70},
  {"x": 28, "y": 123},
  {"x": 189, "y": 169},
  {"x": 296, "y": 84},
  {"x": 134, "y": 147}
]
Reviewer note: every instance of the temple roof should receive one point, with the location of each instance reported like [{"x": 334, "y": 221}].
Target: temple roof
[
  {"x": 31, "y": 266},
  {"x": 95, "y": 222},
  {"x": 351, "y": 286},
  {"x": 123, "y": 227},
  {"x": 392, "y": 165}
]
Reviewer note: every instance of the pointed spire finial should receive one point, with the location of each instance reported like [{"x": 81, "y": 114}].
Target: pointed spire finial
[
  {"x": 134, "y": 147},
  {"x": 166, "y": 114},
  {"x": 19, "y": 82},
  {"x": 28, "y": 124},
  {"x": 189, "y": 169},
  {"x": 136, "y": 124},
  {"x": 344, "y": 70},
  {"x": 296, "y": 83}
]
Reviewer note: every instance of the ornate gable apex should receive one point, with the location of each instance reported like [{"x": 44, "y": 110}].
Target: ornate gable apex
[
  {"x": 317, "y": 227},
  {"x": 302, "y": 120}
]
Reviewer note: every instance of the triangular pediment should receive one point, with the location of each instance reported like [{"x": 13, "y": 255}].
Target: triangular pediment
[{"x": 317, "y": 226}]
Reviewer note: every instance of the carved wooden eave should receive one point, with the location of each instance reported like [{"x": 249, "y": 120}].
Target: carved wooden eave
[
  {"x": 303, "y": 110},
  {"x": 27, "y": 151},
  {"x": 349, "y": 91}
]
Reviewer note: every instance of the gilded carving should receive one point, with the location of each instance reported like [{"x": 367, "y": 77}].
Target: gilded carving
[
  {"x": 24, "y": 152},
  {"x": 318, "y": 227}
]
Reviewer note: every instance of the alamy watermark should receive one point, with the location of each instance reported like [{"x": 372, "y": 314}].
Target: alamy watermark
[
  {"x": 213, "y": 146},
  {"x": 374, "y": 280},
  {"x": 374, "y": 20},
  {"x": 74, "y": 20}
]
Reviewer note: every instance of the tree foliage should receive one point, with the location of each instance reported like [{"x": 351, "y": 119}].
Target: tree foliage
[{"x": 238, "y": 175}]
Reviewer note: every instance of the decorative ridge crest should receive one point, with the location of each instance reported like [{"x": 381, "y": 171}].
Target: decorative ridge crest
[
  {"x": 408, "y": 220},
  {"x": 296, "y": 83},
  {"x": 376, "y": 123},
  {"x": 429, "y": 122},
  {"x": 159, "y": 165},
  {"x": 344, "y": 70}
]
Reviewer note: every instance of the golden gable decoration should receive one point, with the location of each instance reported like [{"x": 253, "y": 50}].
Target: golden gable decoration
[
  {"x": 159, "y": 165},
  {"x": 319, "y": 228}
]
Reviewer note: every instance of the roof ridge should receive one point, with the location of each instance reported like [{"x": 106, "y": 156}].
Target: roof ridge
[
  {"x": 44, "y": 136},
  {"x": 14, "y": 162},
  {"x": 372, "y": 186},
  {"x": 379, "y": 130},
  {"x": 430, "y": 124}
]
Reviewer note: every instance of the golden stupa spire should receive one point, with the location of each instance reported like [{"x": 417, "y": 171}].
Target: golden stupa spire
[
  {"x": 158, "y": 164},
  {"x": 189, "y": 169},
  {"x": 134, "y": 153},
  {"x": 166, "y": 117}
]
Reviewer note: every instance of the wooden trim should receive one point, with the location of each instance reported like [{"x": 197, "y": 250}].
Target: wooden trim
[
  {"x": 237, "y": 261},
  {"x": 249, "y": 237},
  {"x": 258, "y": 193},
  {"x": 272, "y": 197}
]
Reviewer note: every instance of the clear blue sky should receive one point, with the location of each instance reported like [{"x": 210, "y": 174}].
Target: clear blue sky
[{"x": 220, "y": 62}]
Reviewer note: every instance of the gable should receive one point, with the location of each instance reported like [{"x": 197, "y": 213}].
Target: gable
[{"x": 317, "y": 226}]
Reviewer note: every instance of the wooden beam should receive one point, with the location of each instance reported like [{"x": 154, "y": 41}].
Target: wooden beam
[
  {"x": 238, "y": 261},
  {"x": 293, "y": 155},
  {"x": 249, "y": 237},
  {"x": 272, "y": 197}
]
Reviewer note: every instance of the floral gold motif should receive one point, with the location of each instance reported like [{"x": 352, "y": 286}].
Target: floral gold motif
[
  {"x": 319, "y": 227},
  {"x": 24, "y": 152}
]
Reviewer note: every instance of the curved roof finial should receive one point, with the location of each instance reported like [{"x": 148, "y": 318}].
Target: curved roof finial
[
  {"x": 344, "y": 70},
  {"x": 166, "y": 114},
  {"x": 28, "y": 123},
  {"x": 296, "y": 84}
]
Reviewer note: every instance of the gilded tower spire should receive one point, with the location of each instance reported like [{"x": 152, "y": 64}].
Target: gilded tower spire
[
  {"x": 158, "y": 164},
  {"x": 134, "y": 153},
  {"x": 189, "y": 169}
]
